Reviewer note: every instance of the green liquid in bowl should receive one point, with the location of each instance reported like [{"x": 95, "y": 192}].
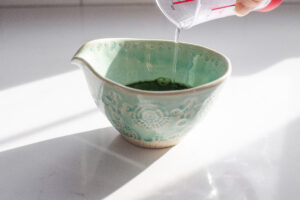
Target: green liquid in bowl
[{"x": 159, "y": 84}]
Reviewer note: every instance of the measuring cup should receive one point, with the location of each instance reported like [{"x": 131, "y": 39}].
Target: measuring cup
[{"x": 188, "y": 13}]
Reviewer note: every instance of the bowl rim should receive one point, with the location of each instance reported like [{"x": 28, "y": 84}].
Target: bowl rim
[{"x": 159, "y": 93}]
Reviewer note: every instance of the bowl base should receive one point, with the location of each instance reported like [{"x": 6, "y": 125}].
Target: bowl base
[{"x": 152, "y": 145}]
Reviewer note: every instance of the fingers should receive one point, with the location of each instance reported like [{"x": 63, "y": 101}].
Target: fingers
[{"x": 243, "y": 7}]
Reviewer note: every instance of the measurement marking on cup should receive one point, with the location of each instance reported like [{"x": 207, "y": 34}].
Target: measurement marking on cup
[
  {"x": 184, "y": 1},
  {"x": 218, "y": 8}
]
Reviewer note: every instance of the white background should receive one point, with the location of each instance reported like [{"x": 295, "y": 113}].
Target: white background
[{"x": 55, "y": 144}]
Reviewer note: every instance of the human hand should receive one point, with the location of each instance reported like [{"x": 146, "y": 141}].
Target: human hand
[{"x": 244, "y": 7}]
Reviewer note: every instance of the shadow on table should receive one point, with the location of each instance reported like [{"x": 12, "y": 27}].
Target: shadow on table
[{"x": 88, "y": 165}]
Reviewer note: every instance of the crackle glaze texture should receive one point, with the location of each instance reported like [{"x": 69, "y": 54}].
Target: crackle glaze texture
[{"x": 151, "y": 119}]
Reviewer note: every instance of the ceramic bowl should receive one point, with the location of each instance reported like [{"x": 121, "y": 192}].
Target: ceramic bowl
[{"x": 153, "y": 119}]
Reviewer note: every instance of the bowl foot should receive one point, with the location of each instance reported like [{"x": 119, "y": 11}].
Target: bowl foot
[{"x": 152, "y": 145}]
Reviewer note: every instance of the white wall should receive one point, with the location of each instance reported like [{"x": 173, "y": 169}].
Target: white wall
[
  {"x": 68, "y": 2},
  {"x": 79, "y": 2},
  {"x": 117, "y": 1},
  {"x": 37, "y": 2}
]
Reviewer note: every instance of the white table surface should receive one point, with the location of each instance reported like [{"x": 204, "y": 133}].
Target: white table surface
[{"x": 55, "y": 144}]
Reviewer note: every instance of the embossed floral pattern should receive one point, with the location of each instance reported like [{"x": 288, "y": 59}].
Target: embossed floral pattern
[
  {"x": 115, "y": 110},
  {"x": 150, "y": 116},
  {"x": 156, "y": 121},
  {"x": 186, "y": 111}
]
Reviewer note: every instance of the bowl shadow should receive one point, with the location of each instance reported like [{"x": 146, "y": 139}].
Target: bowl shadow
[{"x": 88, "y": 165}]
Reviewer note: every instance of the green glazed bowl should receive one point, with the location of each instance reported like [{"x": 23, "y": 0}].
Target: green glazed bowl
[{"x": 153, "y": 119}]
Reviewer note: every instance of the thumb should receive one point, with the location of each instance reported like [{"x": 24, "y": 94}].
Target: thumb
[{"x": 244, "y": 7}]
